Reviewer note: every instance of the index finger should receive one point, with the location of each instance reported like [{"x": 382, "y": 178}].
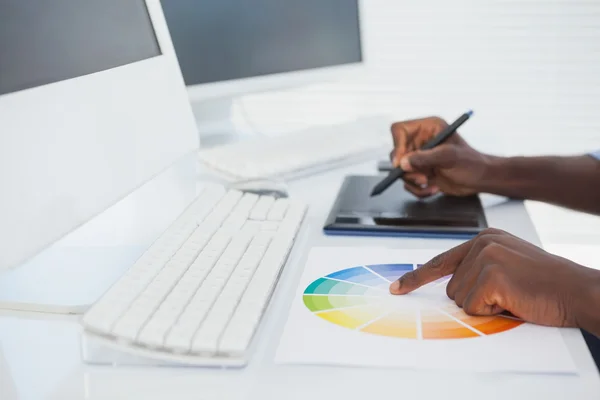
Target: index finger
[
  {"x": 438, "y": 267},
  {"x": 404, "y": 135}
]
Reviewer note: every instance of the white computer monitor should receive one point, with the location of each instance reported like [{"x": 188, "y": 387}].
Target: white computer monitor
[
  {"x": 92, "y": 105},
  {"x": 227, "y": 48}
]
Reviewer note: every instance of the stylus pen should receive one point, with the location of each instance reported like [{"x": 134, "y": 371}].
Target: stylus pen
[{"x": 440, "y": 138}]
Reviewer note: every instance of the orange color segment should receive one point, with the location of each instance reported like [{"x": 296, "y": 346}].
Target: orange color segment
[
  {"x": 439, "y": 326},
  {"x": 487, "y": 325}
]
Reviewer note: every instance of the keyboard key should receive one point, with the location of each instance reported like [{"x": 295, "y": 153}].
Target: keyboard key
[
  {"x": 224, "y": 208},
  {"x": 235, "y": 221},
  {"x": 269, "y": 226},
  {"x": 293, "y": 218},
  {"x": 261, "y": 209},
  {"x": 277, "y": 212},
  {"x": 251, "y": 226},
  {"x": 246, "y": 204}
]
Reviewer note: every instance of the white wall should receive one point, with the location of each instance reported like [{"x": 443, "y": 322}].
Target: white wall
[{"x": 529, "y": 68}]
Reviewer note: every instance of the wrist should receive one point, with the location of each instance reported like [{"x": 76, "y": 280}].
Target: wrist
[
  {"x": 517, "y": 177},
  {"x": 495, "y": 177}
]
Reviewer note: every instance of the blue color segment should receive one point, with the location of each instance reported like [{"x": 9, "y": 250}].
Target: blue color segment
[
  {"x": 358, "y": 275},
  {"x": 391, "y": 272}
]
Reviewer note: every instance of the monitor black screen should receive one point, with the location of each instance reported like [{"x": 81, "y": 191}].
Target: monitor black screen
[
  {"x": 220, "y": 40},
  {"x": 43, "y": 42}
]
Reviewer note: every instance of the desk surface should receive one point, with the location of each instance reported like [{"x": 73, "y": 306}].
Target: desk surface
[{"x": 40, "y": 354}]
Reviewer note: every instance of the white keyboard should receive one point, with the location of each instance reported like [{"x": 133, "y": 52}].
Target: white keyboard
[
  {"x": 198, "y": 293},
  {"x": 301, "y": 152}
]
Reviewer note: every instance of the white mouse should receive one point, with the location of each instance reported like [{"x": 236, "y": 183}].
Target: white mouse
[{"x": 266, "y": 187}]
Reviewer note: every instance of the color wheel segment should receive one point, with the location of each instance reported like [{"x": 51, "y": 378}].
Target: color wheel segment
[{"x": 358, "y": 298}]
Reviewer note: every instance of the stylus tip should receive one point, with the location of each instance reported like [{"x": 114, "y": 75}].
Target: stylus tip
[{"x": 470, "y": 113}]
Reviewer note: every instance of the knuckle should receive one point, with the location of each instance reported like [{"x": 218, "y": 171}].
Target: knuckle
[
  {"x": 469, "y": 307},
  {"x": 436, "y": 265},
  {"x": 492, "y": 273},
  {"x": 397, "y": 127},
  {"x": 491, "y": 231},
  {"x": 437, "y": 120},
  {"x": 483, "y": 240},
  {"x": 491, "y": 251},
  {"x": 459, "y": 297}
]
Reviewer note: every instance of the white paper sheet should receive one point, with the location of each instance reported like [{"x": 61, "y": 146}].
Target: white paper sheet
[{"x": 350, "y": 318}]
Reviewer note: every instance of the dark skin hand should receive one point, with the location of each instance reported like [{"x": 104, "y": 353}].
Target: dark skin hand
[
  {"x": 456, "y": 168},
  {"x": 452, "y": 168},
  {"x": 496, "y": 272}
]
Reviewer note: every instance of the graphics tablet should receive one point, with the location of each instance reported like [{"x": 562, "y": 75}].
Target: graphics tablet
[{"x": 397, "y": 212}]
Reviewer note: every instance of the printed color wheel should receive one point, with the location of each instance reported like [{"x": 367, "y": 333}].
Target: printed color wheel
[{"x": 358, "y": 298}]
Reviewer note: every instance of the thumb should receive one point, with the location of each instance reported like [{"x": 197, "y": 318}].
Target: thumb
[{"x": 424, "y": 160}]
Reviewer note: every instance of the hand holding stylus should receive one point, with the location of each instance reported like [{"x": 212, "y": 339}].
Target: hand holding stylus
[{"x": 452, "y": 167}]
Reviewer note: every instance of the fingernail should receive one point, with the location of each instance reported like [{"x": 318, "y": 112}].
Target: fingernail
[
  {"x": 396, "y": 286},
  {"x": 394, "y": 162},
  {"x": 405, "y": 164}
]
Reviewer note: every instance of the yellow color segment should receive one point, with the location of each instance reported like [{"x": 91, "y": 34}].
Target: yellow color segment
[
  {"x": 396, "y": 324},
  {"x": 353, "y": 317}
]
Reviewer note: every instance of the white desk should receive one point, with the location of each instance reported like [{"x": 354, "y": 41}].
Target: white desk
[{"x": 40, "y": 355}]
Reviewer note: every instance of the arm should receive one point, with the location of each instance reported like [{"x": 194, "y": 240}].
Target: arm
[{"x": 572, "y": 182}]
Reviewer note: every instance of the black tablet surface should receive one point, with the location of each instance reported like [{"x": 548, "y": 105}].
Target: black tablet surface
[{"x": 397, "y": 212}]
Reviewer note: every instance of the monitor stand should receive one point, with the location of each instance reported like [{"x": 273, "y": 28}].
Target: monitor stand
[
  {"x": 221, "y": 120},
  {"x": 71, "y": 274}
]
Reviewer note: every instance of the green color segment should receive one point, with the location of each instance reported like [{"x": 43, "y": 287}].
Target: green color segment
[{"x": 321, "y": 303}]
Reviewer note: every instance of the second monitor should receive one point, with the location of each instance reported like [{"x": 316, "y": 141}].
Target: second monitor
[{"x": 231, "y": 47}]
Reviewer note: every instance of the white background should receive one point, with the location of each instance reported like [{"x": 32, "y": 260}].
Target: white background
[{"x": 530, "y": 69}]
